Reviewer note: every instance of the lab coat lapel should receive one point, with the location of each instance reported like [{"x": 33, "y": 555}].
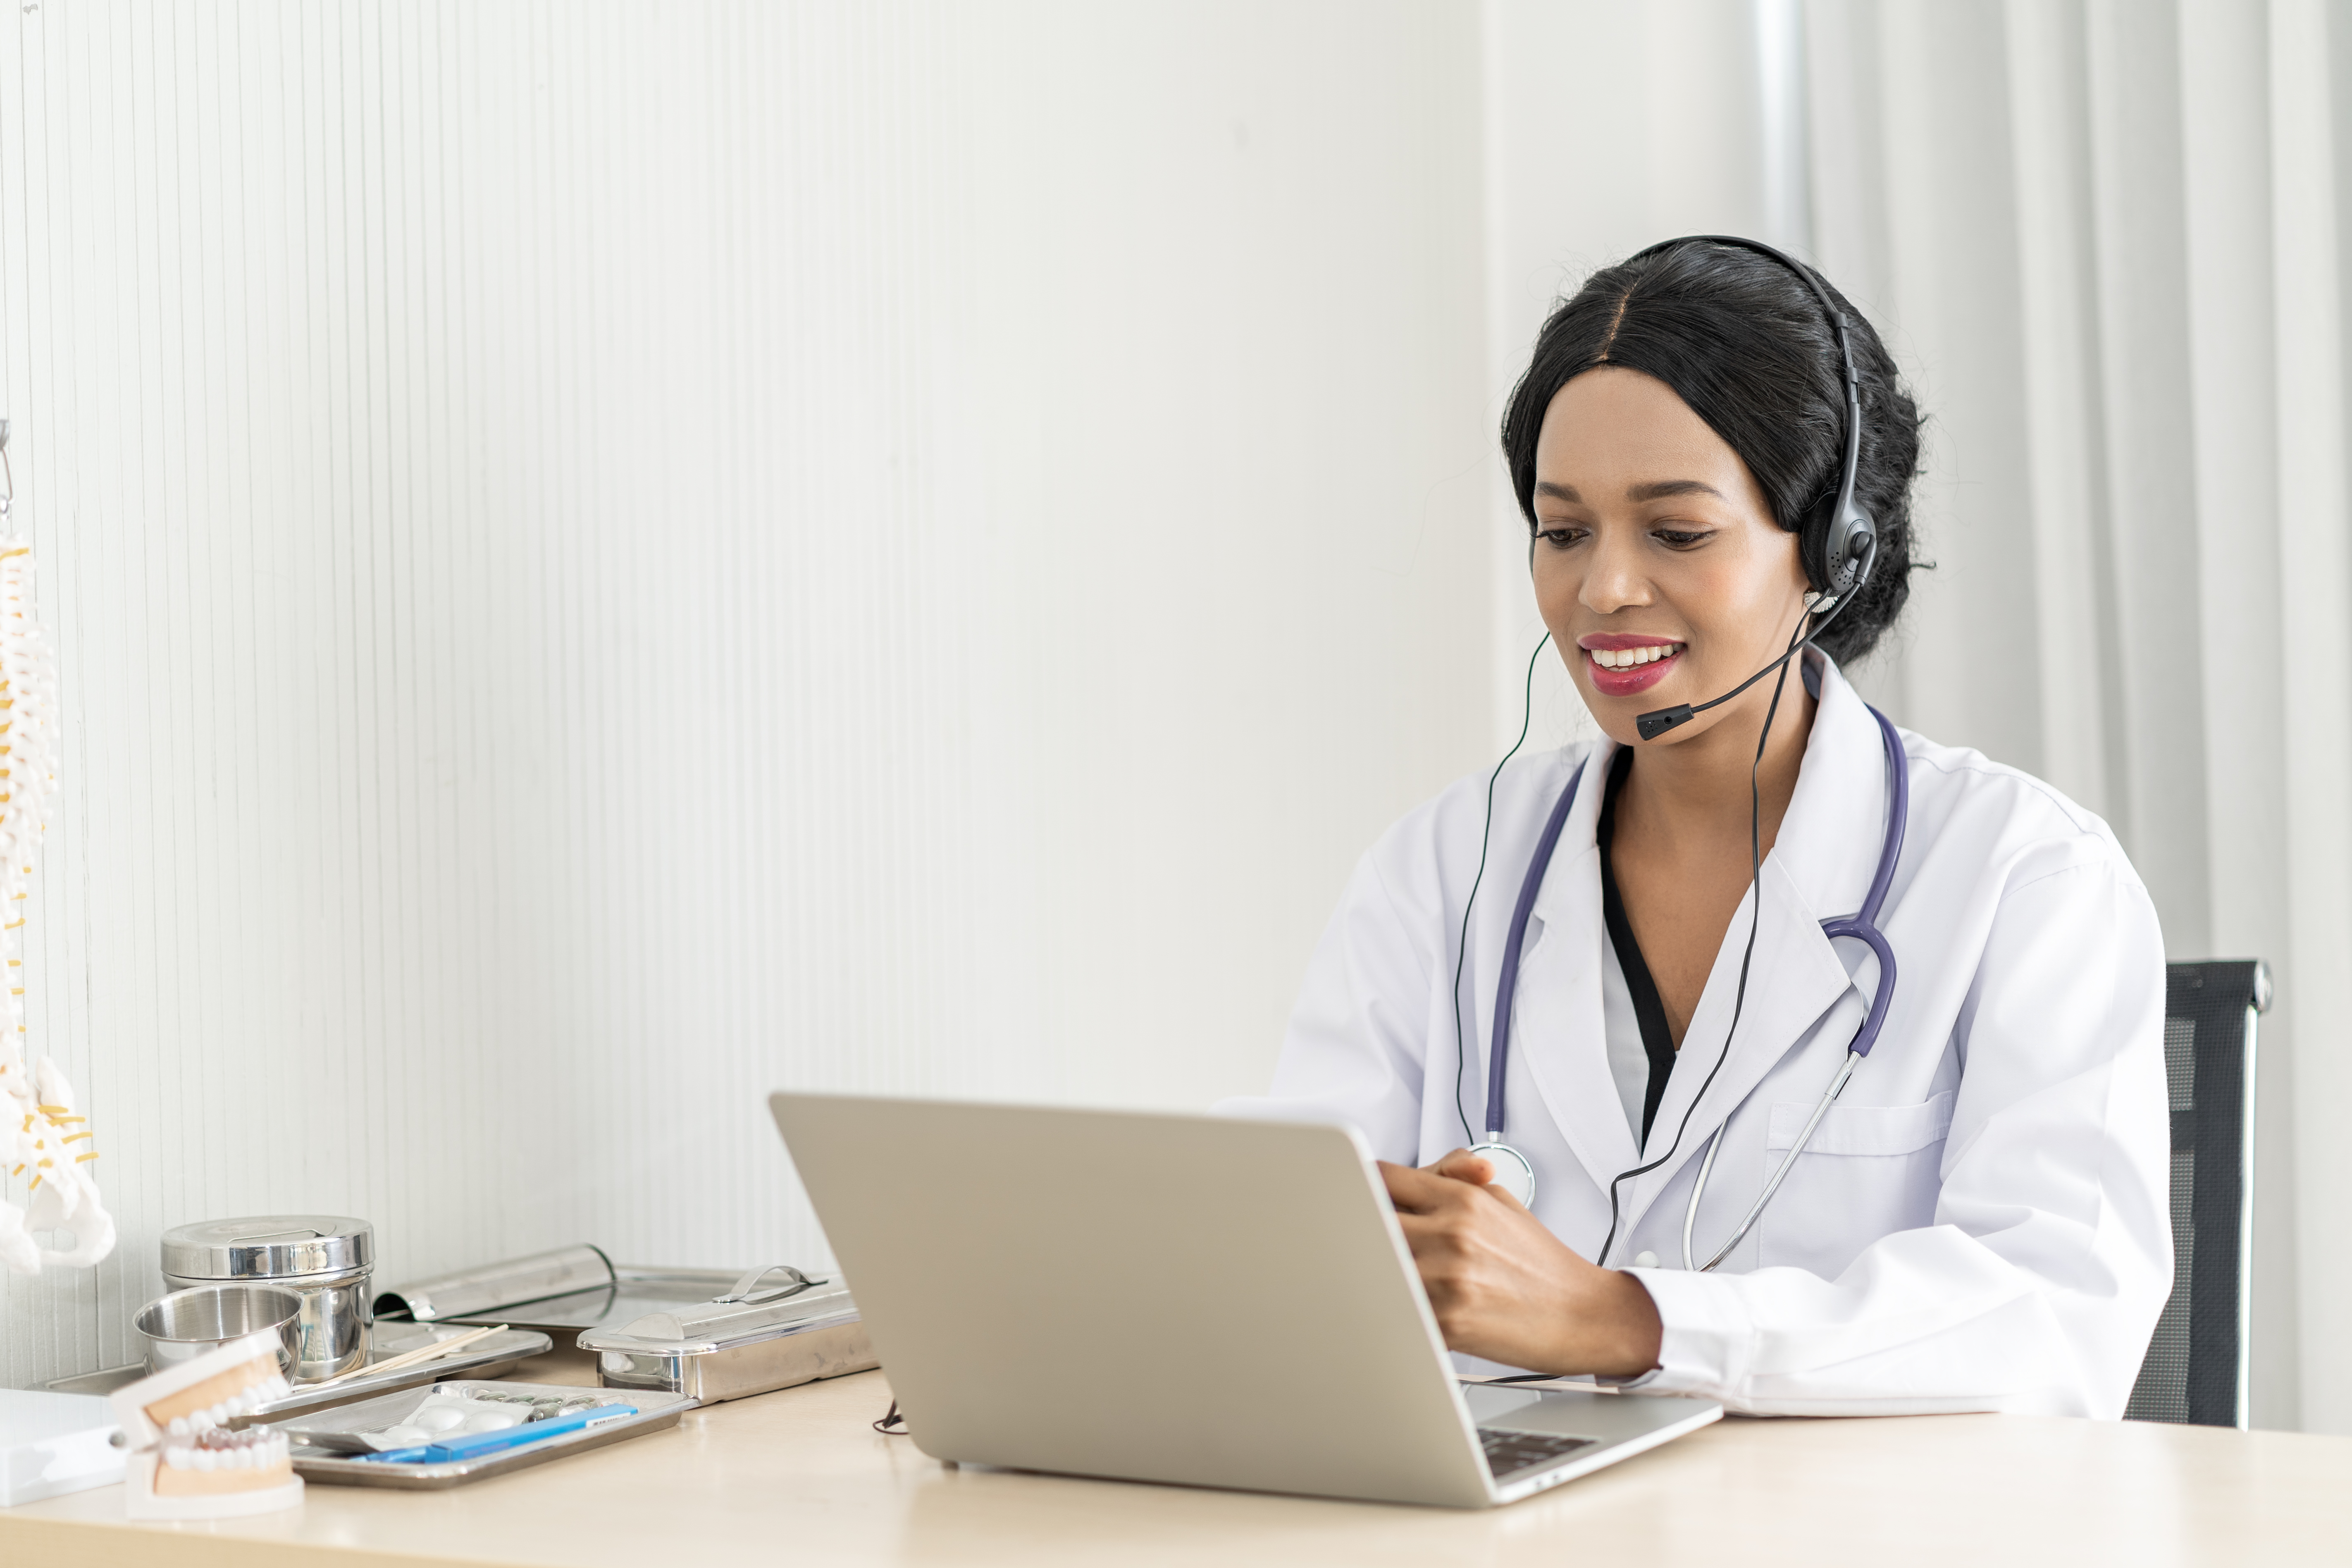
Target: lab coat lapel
[
  {"x": 1793, "y": 980},
  {"x": 1558, "y": 1030},
  {"x": 1819, "y": 868}
]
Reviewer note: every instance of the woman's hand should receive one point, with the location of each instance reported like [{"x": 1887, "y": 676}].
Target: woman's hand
[{"x": 1505, "y": 1288}]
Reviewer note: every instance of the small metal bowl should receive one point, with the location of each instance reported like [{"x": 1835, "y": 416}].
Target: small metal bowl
[{"x": 184, "y": 1324}]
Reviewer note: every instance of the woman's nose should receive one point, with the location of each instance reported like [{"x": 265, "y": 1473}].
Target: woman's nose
[{"x": 1613, "y": 580}]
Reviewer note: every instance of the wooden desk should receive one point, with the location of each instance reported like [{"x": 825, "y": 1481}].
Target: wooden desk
[{"x": 801, "y": 1477}]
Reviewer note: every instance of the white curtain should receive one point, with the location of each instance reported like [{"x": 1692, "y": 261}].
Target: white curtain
[{"x": 2104, "y": 239}]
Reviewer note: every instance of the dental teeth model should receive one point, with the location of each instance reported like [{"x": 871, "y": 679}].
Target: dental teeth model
[
  {"x": 197, "y": 1423},
  {"x": 218, "y": 1461},
  {"x": 186, "y": 1463},
  {"x": 44, "y": 1142}
]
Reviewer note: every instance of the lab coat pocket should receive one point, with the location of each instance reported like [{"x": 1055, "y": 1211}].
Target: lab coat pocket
[{"x": 1868, "y": 1171}]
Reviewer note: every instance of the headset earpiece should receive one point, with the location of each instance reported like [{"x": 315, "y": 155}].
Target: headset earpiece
[
  {"x": 1840, "y": 550},
  {"x": 1849, "y": 550},
  {"x": 1837, "y": 551}
]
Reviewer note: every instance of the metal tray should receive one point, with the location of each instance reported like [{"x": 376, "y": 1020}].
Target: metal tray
[
  {"x": 633, "y": 1293},
  {"x": 656, "y": 1413},
  {"x": 486, "y": 1357}
]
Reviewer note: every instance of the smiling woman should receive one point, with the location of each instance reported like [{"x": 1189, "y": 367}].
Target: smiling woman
[{"x": 1948, "y": 1195}]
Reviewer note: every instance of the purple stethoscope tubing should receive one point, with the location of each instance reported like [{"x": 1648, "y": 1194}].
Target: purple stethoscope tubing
[
  {"x": 1507, "y": 984},
  {"x": 1862, "y": 926}
]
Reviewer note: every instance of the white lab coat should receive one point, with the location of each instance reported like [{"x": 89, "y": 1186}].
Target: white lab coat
[{"x": 1982, "y": 1221}]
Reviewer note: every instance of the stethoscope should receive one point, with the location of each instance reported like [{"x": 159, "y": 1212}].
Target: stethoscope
[{"x": 1514, "y": 1173}]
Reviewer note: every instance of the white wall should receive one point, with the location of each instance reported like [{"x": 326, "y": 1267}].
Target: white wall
[
  {"x": 609, "y": 559},
  {"x": 1609, "y": 127}
]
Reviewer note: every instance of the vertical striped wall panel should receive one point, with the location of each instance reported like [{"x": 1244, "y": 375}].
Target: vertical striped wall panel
[{"x": 608, "y": 559}]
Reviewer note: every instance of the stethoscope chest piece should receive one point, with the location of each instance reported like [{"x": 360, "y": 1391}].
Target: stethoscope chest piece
[{"x": 1513, "y": 1173}]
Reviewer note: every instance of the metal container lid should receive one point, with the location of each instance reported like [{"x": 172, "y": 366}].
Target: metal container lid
[
  {"x": 722, "y": 1324},
  {"x": 269, "y": 1246}
]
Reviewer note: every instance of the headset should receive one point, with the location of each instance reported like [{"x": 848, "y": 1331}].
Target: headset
[
  {"x": 1837, "y": 540},
  {"x": 1838, "y": 545}
]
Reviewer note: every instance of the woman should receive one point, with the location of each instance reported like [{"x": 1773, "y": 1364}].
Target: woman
[{"x": 1979, "y": 1218}]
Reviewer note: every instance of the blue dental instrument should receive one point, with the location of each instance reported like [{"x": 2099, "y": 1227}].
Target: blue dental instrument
[{"x": 481, "y": 1442}]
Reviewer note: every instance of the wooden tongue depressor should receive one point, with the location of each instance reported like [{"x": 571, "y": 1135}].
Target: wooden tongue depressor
[{"x": 433, "y": 1352}]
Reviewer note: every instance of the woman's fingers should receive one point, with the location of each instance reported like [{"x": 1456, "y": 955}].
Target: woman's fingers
[
  {"x": 1421, "y": 1237},
  {"x": 1427, "y": 1186},
  {"x": 1415, "y": 1191},
  {"x": 1464, "y": 1166}
]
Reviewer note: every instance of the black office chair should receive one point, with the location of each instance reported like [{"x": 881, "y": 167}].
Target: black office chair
[{"x": 2196, "y": 1370}]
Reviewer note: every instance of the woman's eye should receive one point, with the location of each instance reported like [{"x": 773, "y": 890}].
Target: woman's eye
[
  {"x": 1680, "y": 539},
  {"x": 1561, "y": 535}
]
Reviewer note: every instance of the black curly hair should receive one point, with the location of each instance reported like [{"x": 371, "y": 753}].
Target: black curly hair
[{"x": 1743, "y": 341}]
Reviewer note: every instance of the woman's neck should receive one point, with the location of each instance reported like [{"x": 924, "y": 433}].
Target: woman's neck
[{"x": 1693, "y": 796}]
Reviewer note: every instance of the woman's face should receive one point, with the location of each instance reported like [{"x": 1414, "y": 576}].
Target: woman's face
[{"x": 1657, "y": 564}]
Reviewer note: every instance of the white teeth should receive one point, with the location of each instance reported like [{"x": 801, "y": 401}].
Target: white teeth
[
  {"x": 204, "y": 1459},
  {"x": 177, "y": 1459},
  {"x": 1628, "y": 657},
  {"x": 179, "y": 1426}
]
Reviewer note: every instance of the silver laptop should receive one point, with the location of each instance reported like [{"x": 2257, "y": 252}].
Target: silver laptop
[{"x": 1176, "y": 1299}]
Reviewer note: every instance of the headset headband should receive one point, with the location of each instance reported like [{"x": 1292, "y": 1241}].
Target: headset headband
[{"x": 1839, "y": 556}]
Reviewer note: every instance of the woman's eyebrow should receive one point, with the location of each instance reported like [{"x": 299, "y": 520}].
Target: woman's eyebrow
[
  {"x": 1559, "y": 492},
  {"x": 1662, "y": 488}
]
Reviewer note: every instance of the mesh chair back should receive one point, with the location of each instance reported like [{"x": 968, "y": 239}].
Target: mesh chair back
[{"x": 2196, "y": 1370}]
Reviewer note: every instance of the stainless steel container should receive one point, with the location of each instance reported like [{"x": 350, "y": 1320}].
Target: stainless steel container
[
  {"x": 325, "y": 1259},
  {"x": 747, "y": 1342},
  {"x": 185, "y": 1324}
]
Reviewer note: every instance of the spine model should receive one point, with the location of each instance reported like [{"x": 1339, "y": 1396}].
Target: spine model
[{"x": 46, "y": 1146}]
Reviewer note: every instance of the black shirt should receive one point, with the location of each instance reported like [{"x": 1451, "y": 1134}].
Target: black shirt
[{"x": 1657, "y": 1037}]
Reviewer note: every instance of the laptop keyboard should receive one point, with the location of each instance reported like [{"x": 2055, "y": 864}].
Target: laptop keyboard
[{"x": 1508, "y": 1453}]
